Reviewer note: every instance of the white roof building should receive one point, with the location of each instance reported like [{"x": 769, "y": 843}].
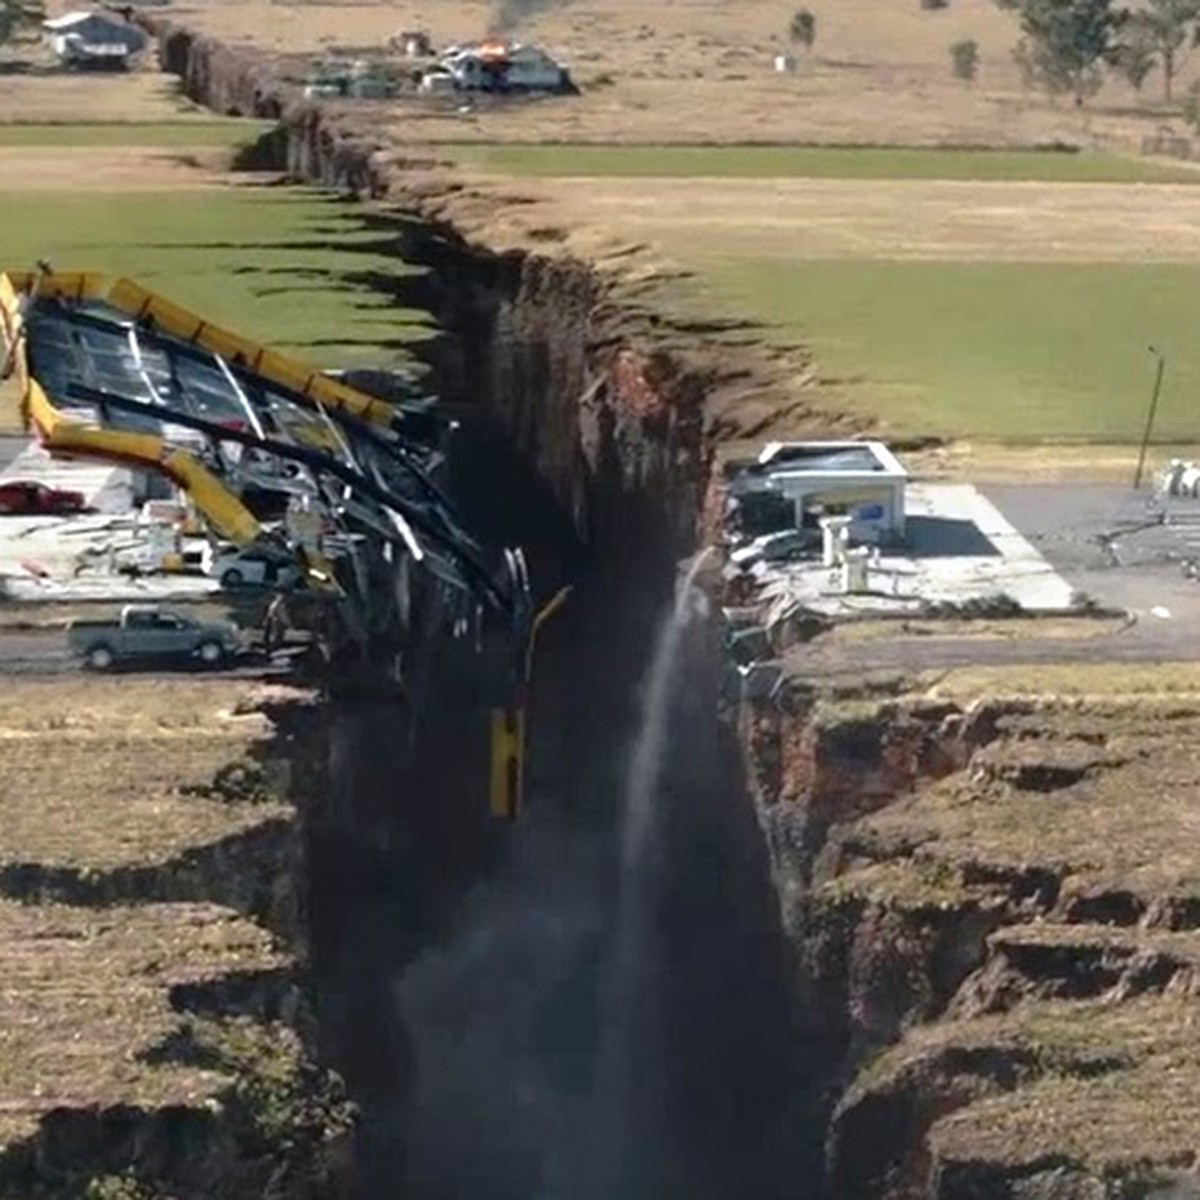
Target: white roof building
[
  {"x": 496, "y": 66},
  {"x": 862, "y": 480},
  {"x": 93, "y": 38}
]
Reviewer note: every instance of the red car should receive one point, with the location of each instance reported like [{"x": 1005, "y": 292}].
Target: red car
[{"x": 22, "y": 497}]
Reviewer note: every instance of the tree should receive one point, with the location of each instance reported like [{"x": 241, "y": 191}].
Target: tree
[
  {"x": 16, "y": 15},
  {"x": 1136, "y": 58},
  {"x": 964, "y": 56},
  {"x": 1191, "y": 106},
  {"x": 1065, "y": 43},
  {"x": 1158, "y": 35},
  {"x": 803, "y": 29}
]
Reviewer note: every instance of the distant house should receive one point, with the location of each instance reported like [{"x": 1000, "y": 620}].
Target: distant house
[
  {"x": 93, "y": 39},
  {"x": 437, "y": 83},
  {"x": 358, "y": 80},
  {"x": 500, "y": 67},
  {"x": 529, "y": 67},
  {"x": 413, "y": 43}
]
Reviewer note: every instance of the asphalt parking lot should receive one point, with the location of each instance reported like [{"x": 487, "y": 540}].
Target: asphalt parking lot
[{"x": 1123, "y": 549}]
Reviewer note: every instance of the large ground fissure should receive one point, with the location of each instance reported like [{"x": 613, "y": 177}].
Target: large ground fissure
[{"x": 476, "y": 983}]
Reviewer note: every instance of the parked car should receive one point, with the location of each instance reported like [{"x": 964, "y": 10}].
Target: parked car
[
  {"x": 252, "y": 566},
  {"x": 151, "y": 633},
  {"x": 27, "y": 497}
]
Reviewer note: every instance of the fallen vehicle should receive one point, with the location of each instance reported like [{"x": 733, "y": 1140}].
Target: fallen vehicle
[
  {"x": 148, "y": 633},
  {"x": 29, "y": 498}
]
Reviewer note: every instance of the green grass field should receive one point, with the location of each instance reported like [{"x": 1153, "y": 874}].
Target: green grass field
[
  {"x": 1013, "y": 351},
  {"x": 275, "y": 264},
  {"x": 223, "y": 133},
  {"x": 801, "y": 162}
]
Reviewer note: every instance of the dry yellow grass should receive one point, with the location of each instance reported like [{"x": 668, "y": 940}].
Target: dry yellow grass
[
  {"x": 1071, "y": 681},
  {"x": 85, "y": 996},
  {"x": 984, "y": 462},
  {"x": 1106, "y": 1087},
  {"x": 1099, "y": 794},
  {"x": 697, "y": 219},
  {"x": 72, "y": 96},
  {"x": 697, "y": 71},
  {"x": 855, "y": 632},
  {"x": 110, "y": 168},
  {"x": 101, "y": 774}
]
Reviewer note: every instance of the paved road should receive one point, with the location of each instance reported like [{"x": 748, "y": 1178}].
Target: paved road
[
  {"x": 34, "y": 652},
  {"x": 45, "y": 652},
  {"x": 1140, "y": 643}
]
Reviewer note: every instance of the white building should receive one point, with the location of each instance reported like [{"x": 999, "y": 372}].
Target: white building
[
  {"x": 861, "y": 480},
  {"x": 529, "y": 67},
  {"x": 497, "y": 67},
  {"x": 93, "y": 39}
]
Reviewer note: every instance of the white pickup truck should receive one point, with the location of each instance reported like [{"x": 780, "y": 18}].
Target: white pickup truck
[{"x": 150, "y": 633}]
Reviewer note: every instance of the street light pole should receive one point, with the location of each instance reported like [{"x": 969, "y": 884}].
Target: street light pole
[{"x": 1158, "y": 382}]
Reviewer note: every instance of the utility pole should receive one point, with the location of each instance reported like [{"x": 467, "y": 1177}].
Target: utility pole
[{"x": 1158, "y": 382}]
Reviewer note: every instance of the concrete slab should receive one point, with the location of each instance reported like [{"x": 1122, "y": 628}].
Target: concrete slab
[
  {"x": 1123, "y": 549},
  {"x": 959, "y": 549}
]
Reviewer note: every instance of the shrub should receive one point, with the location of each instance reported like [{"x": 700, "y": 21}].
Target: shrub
[
  {"x": 964, "y": 58},
  {"x": 803, "y": 29}
]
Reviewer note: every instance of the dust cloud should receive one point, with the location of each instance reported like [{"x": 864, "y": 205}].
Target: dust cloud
[{"x": 607, "y": 1016}]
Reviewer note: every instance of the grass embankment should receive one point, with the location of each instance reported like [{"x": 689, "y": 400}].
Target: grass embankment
[
  {"x": 1011, "y": 351},
  {"x": 101, "y": 774},
  {"x": 227, "y": 132},
  {"x": 817, "y": 162},
  {"x": 276, "y": 265},
  {"x": 996, "y": 305},
  {"x": 279, "y": 265}
]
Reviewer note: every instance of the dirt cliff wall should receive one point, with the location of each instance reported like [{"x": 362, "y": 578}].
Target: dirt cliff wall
[
  {"x": 157, "y": 1026},
  {"x": 980, "y": 958},
  {"x": 621, "y": 424},
  {"x": 617, "y": 426}
]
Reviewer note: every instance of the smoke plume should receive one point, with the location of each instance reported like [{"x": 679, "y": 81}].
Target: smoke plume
[{"x": 508, "y": 15}]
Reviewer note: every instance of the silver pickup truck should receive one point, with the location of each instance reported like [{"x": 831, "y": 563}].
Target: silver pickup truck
[{"x": 145, "y": 633}]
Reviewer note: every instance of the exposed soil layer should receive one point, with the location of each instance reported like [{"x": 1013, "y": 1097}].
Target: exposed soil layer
[
  {"x": 591, "y": 434},
  {"x": 566, "y": 348},
  {"x": 994, "y": 907},
  {"x": 990, "y": 942},
  {"x": 156, "y": 1035}
]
